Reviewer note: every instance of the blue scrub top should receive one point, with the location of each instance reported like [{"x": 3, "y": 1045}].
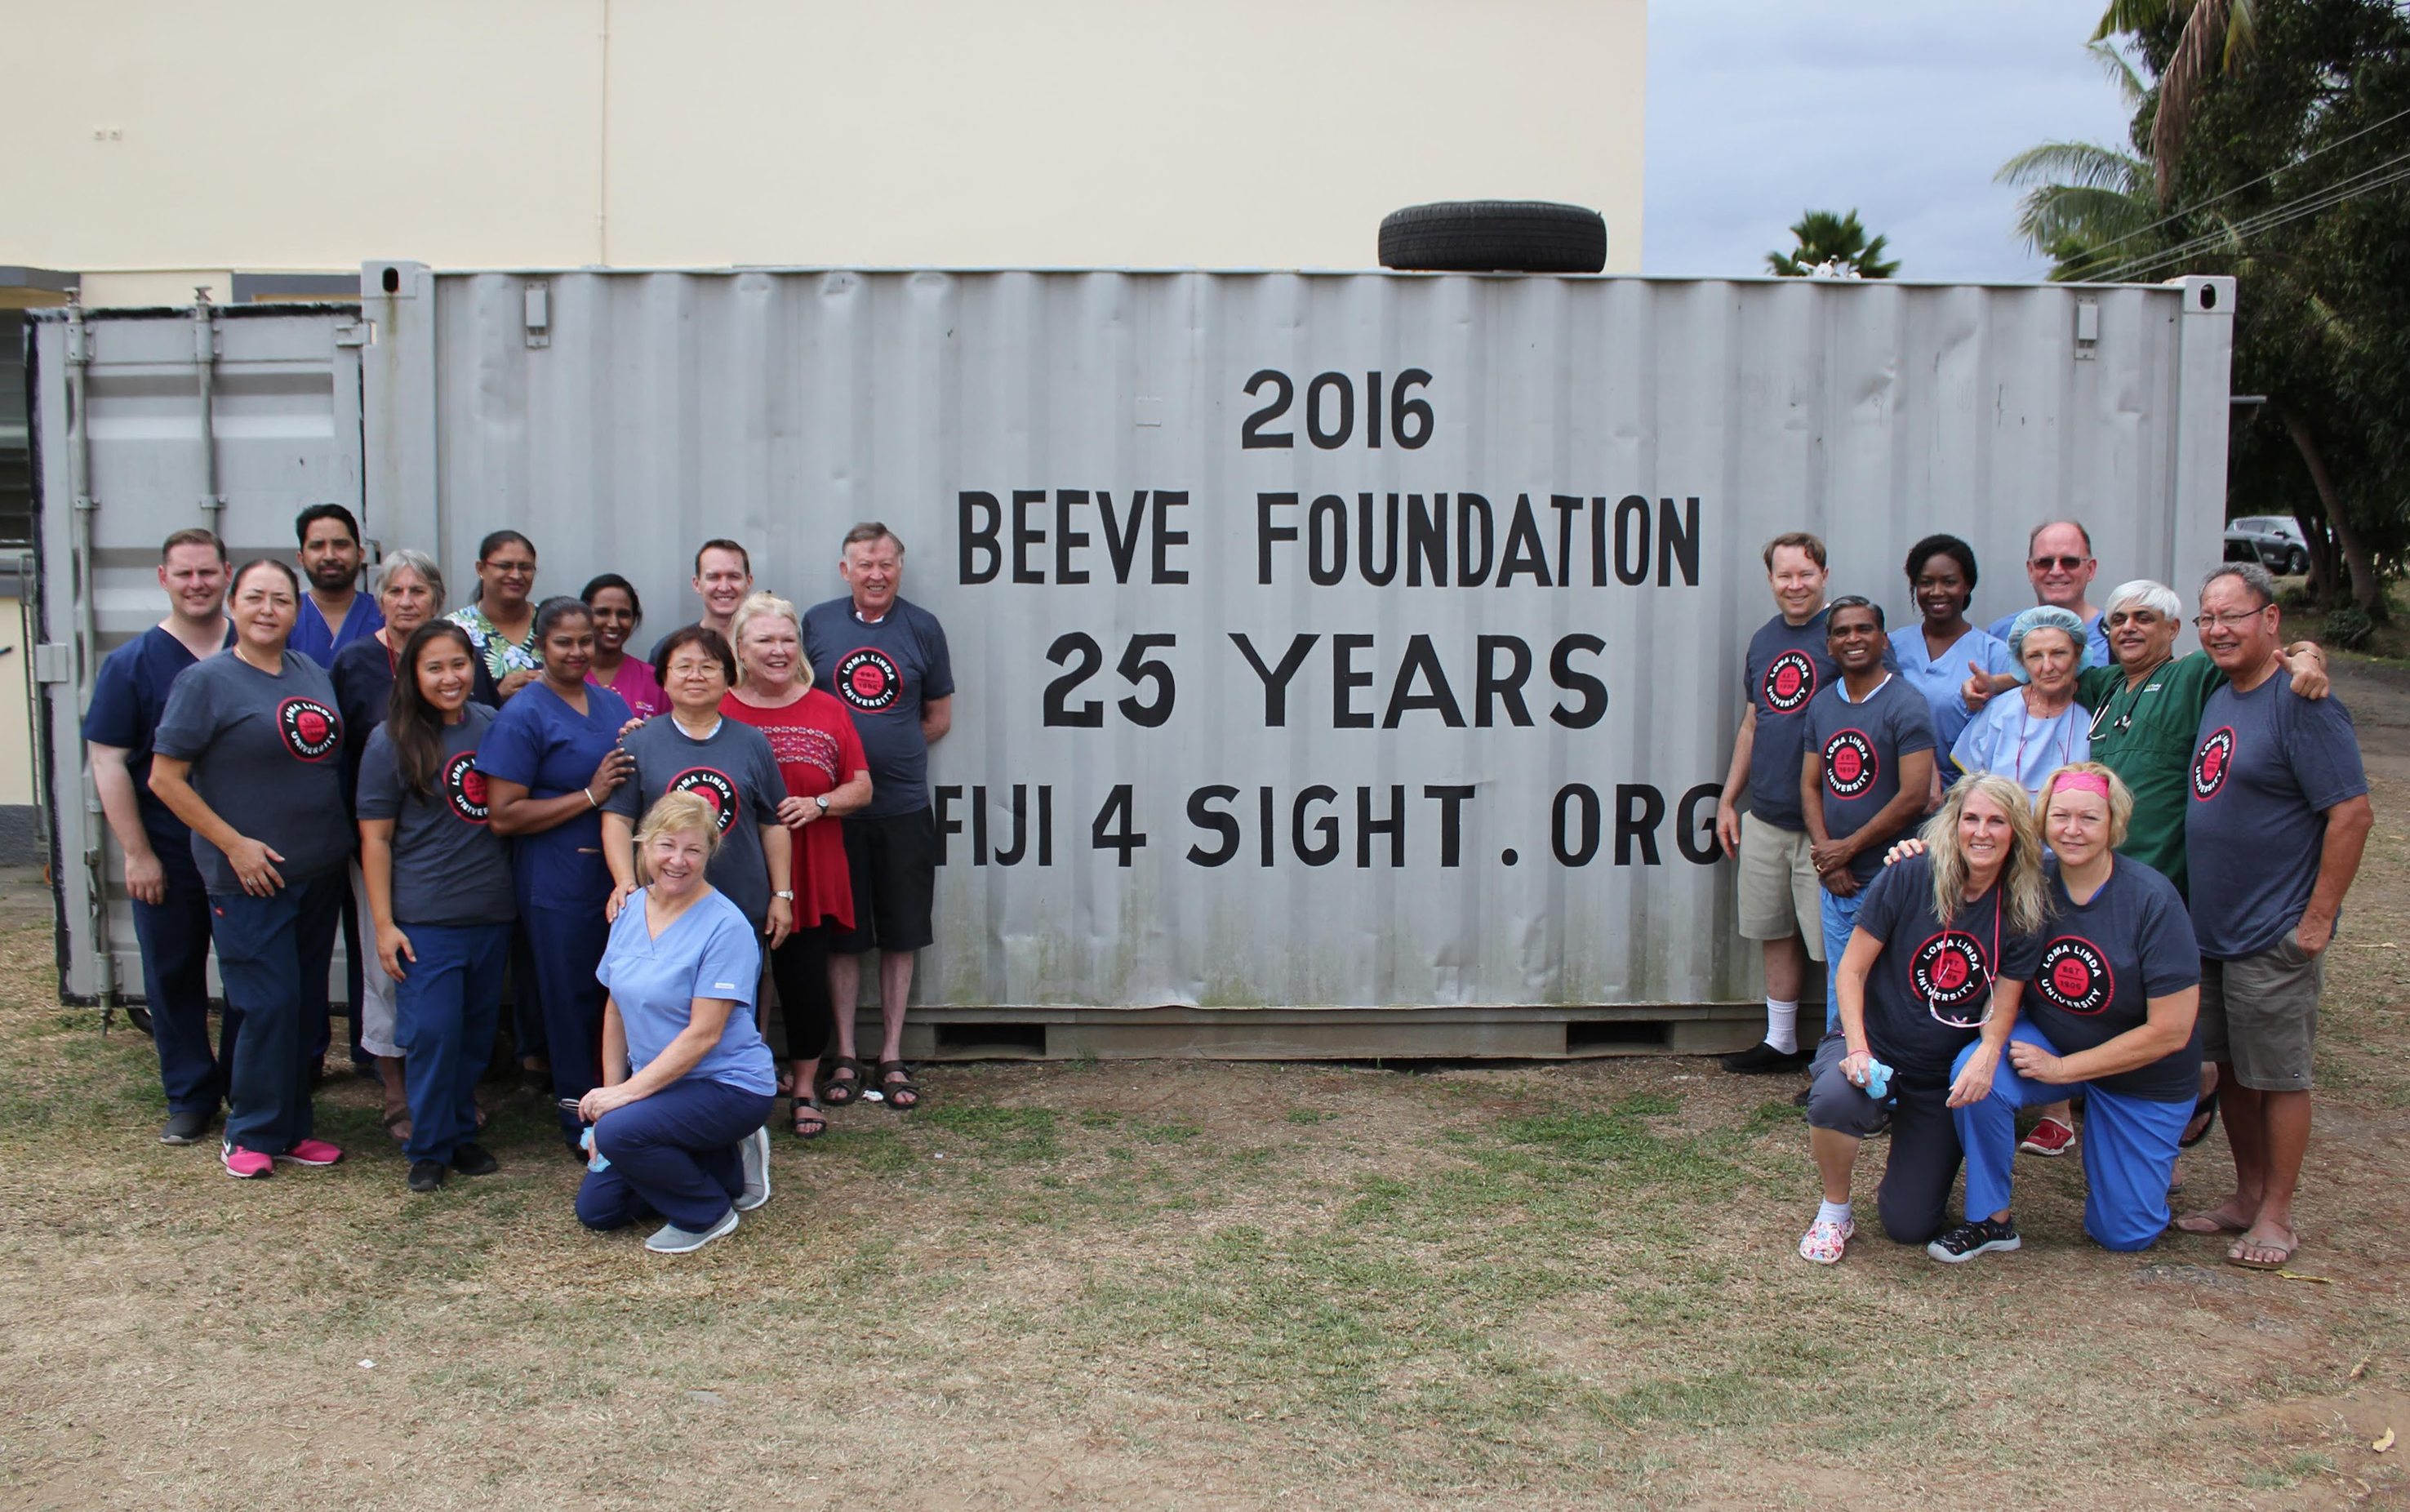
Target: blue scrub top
[
  {"x": 709, "y": 951},
  {"x": 2022, "y": 747},
  {"x": 540, "y": 743},
  {"x": 1938, "y": 678},
  {"x": 314, "y": 639}
]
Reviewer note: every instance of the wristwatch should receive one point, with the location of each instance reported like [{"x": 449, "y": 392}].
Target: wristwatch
[
  {"x": 787, "y": 893},
  {"x": 821, "y": 799}
]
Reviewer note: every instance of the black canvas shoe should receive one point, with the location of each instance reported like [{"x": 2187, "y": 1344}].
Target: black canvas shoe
[
  {"x": 1763, "y": 1059},
  {"x": 1972, "y": 1238},
  {"x": 186, "y": 1127},
  {"x": 472, "y": 1160},
  {"x": 426, "y": 1175}
]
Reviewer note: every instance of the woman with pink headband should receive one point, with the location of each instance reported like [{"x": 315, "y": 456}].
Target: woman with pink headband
[{"x": 2110, "y": 1011}]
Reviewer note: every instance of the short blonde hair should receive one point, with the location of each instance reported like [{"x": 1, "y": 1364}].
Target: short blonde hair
[
  {"x": 755, "y": 606},
  {"x": 677, "y": 813},
  {"x": 2121, "y": 798}
]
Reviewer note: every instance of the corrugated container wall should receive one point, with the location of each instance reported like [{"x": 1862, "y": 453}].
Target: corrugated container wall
[{"x": 1321, "y": 640}]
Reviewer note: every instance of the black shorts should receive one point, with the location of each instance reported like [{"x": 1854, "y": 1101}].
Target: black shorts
[{"x": 893, "y": 858}]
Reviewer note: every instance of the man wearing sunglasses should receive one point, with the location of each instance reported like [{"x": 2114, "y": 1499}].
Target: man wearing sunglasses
[
  {"x": 2277, "y": 818},
  {"x": 2060, "y": 566}
]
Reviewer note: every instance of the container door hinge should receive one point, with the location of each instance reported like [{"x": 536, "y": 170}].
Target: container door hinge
[
  {"x": 358, "y": 333},
  {"x": 53, "y": 662}
]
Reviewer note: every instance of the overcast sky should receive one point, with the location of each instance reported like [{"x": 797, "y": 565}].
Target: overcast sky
[{"x": 1759, "y": 110}]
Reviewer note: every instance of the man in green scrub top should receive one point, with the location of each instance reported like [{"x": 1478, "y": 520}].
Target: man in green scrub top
[{"x": 2147, "y": 714}]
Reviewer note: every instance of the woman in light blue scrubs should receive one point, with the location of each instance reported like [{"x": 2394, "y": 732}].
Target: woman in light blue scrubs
[
  {"x": 1934, "y": 653},
  {"x": 687, "y": 1081},
  {"x": 550, "y": 760}
]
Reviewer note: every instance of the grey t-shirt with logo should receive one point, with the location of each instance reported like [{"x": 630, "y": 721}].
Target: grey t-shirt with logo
[
  {"x": 1861, "y": 745},
  {"x": 267, "y": 756},
  {"x": 733, "y": 770},
  {"x": 883, "y": 674},
  {"x": 449, "y": 868},
  {"x": 2266, "y": 766}
]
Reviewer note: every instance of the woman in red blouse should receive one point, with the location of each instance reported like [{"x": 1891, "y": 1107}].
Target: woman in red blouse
[{"x": 820, "y": 756}]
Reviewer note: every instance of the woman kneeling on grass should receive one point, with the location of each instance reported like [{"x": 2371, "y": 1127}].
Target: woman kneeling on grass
[
  {"x": 2111, "y": 1013},
  {"x": 687, "y": 1081},
  {"x": 1944, "y": 946}
]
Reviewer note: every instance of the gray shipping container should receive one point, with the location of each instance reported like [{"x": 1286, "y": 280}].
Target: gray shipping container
[{"x": 1346, "y": 663}]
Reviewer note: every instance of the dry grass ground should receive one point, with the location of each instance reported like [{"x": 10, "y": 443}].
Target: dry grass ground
[{"x": 1195, "y": 1285}]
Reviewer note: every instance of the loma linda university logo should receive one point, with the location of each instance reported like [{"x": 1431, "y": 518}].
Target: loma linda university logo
[
  {"x": 310, "y": 729},
  {"x": 1790, "y": 682},
  {"x": 2215, "y": 760},
  {"x": 869, "y": 680},
  {"x": 712, "y": 787},
  {"x": 1850, "y": 766},
  {"x": 464, "y": 787},
  {"x": 2074, "y": 976}
]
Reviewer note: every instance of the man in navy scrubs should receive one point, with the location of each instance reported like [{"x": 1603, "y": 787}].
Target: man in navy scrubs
[
  {"x": 886, "y": 660},
  {"x": 334, "y": 612},
  {"x": 171, "y": 908}
]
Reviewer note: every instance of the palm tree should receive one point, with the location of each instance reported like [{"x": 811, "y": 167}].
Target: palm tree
[
  {"x": 1834, "y": 242},
  {"x": 2089, "y": 204},
  {"x": 2229, "y": 27}
]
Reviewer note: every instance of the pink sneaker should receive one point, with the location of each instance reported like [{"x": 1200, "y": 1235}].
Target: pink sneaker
[
  {"x": 2048, "y": 1138},
  {"x": 247, "y": 1165},
  {"x": 1824, "y": 1240},
  {"x": 312, "y": 1153}
]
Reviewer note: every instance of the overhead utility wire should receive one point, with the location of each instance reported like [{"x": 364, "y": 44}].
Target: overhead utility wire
[
  {"x": 2190, "y": 209},
  {"x": 2383, "y": 175},
  {"x": 2244, "y": 229}
]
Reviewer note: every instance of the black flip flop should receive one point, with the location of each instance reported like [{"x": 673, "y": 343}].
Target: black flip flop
[{"x": 2205, "y": 1105}]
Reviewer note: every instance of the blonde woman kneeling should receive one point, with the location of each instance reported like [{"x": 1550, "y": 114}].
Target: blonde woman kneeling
[
  {"x": 1941, "y": 953},
  {"x": 687, "y": 1082}
]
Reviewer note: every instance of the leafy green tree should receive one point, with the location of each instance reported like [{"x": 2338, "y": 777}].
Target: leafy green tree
[
  {"x": 1826, "y": 237},
  {"x": 2284, "y": 166}
]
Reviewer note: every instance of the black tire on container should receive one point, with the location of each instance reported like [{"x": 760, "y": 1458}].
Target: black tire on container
[{"x": 1494, "y": 236}]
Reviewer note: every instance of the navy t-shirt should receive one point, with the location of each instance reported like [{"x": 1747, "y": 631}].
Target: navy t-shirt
[
  {"x": 2101, "y": 964},
  {"x": 127, "y": 699},
  {"x": 733, "y": 770},
  {"x": 1929, "y": 966},
  {"x": 1787, "y": 667},
  {"x": 363, "y": 679},
  {"x": 267, "y": 755},
  {"x": 1861, "y": 745},
  {"x": 448, "y": 867},
  {"x": 2265, "y": 768},
  {"x": 883, "y": 674}
]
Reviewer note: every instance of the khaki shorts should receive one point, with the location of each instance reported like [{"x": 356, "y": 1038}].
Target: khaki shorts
[
  {"x": 2259, "y": 1014},
  {"x": 1778, "y": 886}
]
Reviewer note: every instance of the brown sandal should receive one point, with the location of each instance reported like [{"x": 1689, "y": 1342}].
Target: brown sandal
[
  {"x": 837, "y": 1091},
  {"x": 810, "y": 1123},
  {"x": 902, "y": 1094}
]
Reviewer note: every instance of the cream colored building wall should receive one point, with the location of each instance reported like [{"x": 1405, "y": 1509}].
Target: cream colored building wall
[{"x": 274, "y": 135}]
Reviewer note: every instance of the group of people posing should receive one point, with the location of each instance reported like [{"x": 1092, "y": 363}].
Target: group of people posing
[
  {"x": 2045, "y": 863},
  {"x": 509, "y": 793}
]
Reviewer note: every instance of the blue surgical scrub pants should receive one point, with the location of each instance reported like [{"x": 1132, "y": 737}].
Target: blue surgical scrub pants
[
  {"x": 568, "y": 945},
  {"x": 673, "y": 1153},
  {"x": 273, "y": 954},
  {"x": 174, "y": 935},
  {"x": 2130, "y": 1149},
  {"x": 444, "y": 1012},
  {"x": 1840, "y": 919}
]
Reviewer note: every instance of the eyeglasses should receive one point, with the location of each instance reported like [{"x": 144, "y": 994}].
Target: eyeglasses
[
  {"x": 511, "y": 569},
  {"x": 2065, "y": 565},
  {"x": 2205, "y": 623}
]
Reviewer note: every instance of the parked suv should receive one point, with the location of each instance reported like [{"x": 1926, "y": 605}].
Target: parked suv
[{"x": 2274, "y": 540}]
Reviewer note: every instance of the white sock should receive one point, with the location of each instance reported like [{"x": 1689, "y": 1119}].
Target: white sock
[
  {"x": 1837, "y": 1213},
  {"x": 1782, "y": 1025}
]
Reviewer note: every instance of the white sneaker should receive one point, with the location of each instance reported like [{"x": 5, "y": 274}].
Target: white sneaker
[
  {"x": 755, "y": 1152},
  {"x": 672, "y": 1240}
]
